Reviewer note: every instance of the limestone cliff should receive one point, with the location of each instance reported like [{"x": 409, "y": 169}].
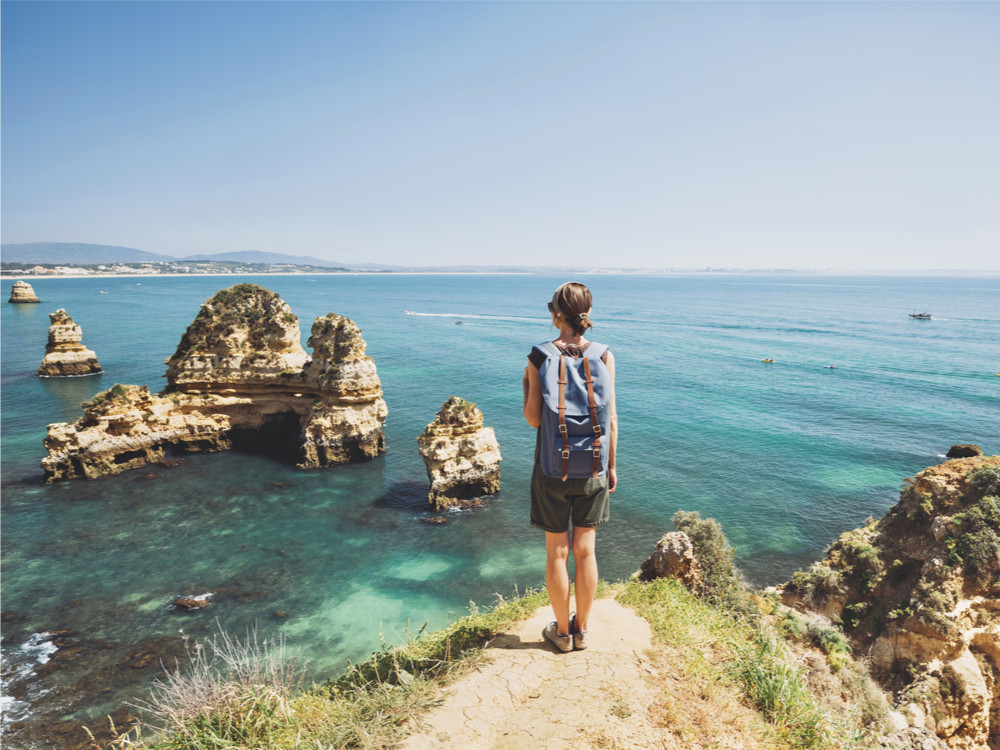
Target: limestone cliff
[
  {"x": 461, "y": 455},
  {"x": 919, "y": 593},
  {"x": 346, "y": 423},
  {"x": 239, "y": 378},
  {"x": 243, "y": 335},
  {"x": 22, "y": 292},
  {"x": 64, "y": 354}
]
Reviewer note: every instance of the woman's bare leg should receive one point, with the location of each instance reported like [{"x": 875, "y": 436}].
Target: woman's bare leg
[
  {"x": 585, "y": 562},
  {"x": 557, "y": 577}
]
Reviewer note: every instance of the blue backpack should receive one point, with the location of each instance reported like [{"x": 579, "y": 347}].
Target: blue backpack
[{"x": 576, "y": 412}]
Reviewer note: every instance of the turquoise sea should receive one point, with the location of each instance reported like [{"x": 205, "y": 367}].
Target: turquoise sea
[{"x": 785, "y": 455}]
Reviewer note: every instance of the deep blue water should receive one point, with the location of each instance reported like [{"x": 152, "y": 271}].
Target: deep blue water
[{"x": 786, "y": 455}]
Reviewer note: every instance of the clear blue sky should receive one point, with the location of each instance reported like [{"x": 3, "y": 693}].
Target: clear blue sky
[{"x": 808, "y": 135}]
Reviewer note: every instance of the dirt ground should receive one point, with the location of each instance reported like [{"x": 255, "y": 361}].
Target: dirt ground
[{"x": 618, "y": 694}]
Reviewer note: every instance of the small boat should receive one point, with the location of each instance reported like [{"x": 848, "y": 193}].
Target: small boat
[
  {"x": 103, "y": 292},
  {"x": 409, "y": 312},
  {"x": 921, "y": 316},
  {"x": 831, "y": 367},
  {"x": 769, "y": 360}
]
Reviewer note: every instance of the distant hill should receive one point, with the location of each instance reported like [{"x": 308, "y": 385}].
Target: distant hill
[
  {"x": 255, "y": 256},
  {"x": 81, "y": 253},
  {"x": 75, "y": 252}
]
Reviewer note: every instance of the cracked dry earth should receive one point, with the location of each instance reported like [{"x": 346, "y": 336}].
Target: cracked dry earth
[{"x": 528, "y": 695}]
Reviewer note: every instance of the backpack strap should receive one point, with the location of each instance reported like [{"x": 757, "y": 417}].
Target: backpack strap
[
  {"x": 595, "y": 351},
  {"x": 592, "y": 405},
  {"x": 548, "y": 349},
  {"x": 562, "y": 417}
]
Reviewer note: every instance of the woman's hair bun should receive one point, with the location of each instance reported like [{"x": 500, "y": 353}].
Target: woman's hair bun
[{"x": 573, "y": 301}]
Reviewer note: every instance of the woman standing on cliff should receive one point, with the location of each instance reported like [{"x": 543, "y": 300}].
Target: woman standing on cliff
[{"x": 580, "y": 498}]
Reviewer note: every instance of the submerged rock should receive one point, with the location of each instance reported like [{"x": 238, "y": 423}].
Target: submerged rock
[
  {"x": 191, "y": 603},
  {"x": 461, "y": 455},
  {"x": 22, "y": 292},
  {"x": 239, "y": 378},
  {"x": 919, "y": 593},
  {"x": 64, "y": 354}
]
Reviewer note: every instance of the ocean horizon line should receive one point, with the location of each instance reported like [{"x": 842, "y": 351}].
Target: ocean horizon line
[{"x": 928, "y": 273}]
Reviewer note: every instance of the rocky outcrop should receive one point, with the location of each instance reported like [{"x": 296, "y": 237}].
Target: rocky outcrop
[
  {"x": 461, "y": 455},
  {"x": 126, "y": 427},
  {"x": 911, "y": 738},
  {"x": 919, "y": 594},
  {"x": 64, "y": 354},
  {"x": 243, "y": 335},
  {"x": 22, "y": 292},
  {"x": 673, "y": 557},
  {"x": 238, "y": 379},
  {"x": 347, "y": 424}
]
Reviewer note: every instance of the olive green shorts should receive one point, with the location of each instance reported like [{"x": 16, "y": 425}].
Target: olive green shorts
[{"x": 554, "y": 502}]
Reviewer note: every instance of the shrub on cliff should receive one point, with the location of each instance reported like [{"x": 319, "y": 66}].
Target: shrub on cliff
[
  {"x": 116, "y": 394},
  {"x": 232, "y": 693},
  {"x": 236, "y": 294},
  {"x": 722, "y": 582},
  {"x": 817, "y": 582},
  {"x": 243, "y": 307},
  {"x": 986, "y": 479},
  {"x": 977, "y": 541}
]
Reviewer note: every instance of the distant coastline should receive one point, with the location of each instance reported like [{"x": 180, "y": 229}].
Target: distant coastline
[
  {"x": 23, "y": 277},
  {"x": 6, "y": 276},
  {"x": 82, "y": 260}
]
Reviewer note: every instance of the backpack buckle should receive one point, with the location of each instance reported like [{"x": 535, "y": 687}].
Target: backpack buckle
[
  {"x": 597, "y": 452},
  {"x": 565, "y": 454},
  {"x": 597, "y": 430},
  {"x": 562, "y": 430}
]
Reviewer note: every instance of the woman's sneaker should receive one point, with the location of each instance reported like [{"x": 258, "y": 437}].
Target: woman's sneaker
[
  {"x": 579, "y": 636},
  {"x": 562, "y": 642}
]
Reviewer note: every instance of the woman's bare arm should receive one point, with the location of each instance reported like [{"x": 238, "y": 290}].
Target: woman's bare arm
[{"x": 532, "y": 385}]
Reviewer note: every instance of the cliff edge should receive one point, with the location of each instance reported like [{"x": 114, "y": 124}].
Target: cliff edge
[{"x": 918, "y": 592}]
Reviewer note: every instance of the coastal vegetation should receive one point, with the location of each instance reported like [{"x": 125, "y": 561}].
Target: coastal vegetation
[
  {"x": 116, "y": 394},
  {"x": 916, "y": 592},
  {"x": 454, "y": 411},
  {"x": 723, "y": 643},
  {"x": 976, "y": 542}
]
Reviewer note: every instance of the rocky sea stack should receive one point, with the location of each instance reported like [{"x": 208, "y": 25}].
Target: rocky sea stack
[
  {"x": 65, "y": 356},
  {"x": 239, "y": 378},
  {"x": 918, "y": 593},
  {"x": 462, "y": 456},
  {"x": 22, "y": 292}
]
